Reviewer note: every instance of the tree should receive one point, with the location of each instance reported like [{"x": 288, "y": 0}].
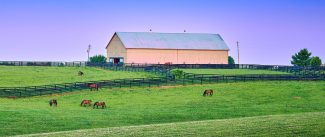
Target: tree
[
  {"x": 231, "y": 60},
  {"x": 302, "y": 58},
  {"x": 98, "y": 59},
  {"x": 315, "y": 61}
]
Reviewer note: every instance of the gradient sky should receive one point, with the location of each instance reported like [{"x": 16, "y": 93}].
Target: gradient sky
[{"x": 269, "y": 32}]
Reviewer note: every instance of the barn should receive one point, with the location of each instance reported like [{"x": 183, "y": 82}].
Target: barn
[{"x": 161, "y": 48}]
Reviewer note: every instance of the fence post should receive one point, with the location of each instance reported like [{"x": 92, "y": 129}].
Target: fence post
[
  {"x": 193, "y": 79},
  {"x": 149, "y": 82},
  {"x": 182, "y": 79}
]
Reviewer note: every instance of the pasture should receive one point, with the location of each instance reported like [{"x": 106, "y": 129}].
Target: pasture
[
  {"x": 251, "y": 105},
  {"x": 13, "y": 76},
  {"x": 300, "y": 124},
  {"x": 232, "y": 71}
]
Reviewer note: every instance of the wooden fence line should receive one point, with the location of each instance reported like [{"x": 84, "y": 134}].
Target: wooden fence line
[{"x": 168, "y": 78}]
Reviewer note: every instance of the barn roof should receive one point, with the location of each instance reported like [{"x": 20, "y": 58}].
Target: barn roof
[{"x": 154, "y": 40}]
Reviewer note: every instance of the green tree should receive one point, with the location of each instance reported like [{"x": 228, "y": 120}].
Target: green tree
[
  {"x": 231, "y": 60},
  {"x": 302, "y": 58},
  {"x": 315, "y": 61},
  {"x": 98, "y": 59}
]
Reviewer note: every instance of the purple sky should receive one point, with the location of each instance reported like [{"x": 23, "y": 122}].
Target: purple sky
[{"x": 269, "y": 32}]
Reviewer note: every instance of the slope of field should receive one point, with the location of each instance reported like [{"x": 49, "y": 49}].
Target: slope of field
[
  {"x": 18, "y": 76},
  {"x": 231, "y": 71},
  {"x": 140, "y": 106},
  {"x": 300, "y": 124}
]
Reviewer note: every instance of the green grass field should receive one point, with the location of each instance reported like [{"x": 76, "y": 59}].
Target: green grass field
[
  {"x": 231, "y": 71},
  {"x": 231, "y": 104},
  {"x": 13, "y": 76},
  {"x": 287, "y": 125}
]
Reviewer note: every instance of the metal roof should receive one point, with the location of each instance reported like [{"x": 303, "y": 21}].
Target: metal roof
[{"x": 154, "y": 40}]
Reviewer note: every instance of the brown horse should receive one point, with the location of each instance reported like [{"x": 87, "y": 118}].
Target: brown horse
[
  {"x": 80, "y": 73},
  {"x": 93, "y": 86},
  {"x": 85, "y": 102},
  {"x": 53, "y": 102},
  {"x": 98, "y": 104},
  {"x": 208, "y": 92}
]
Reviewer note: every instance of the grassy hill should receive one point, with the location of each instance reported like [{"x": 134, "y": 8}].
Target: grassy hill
[
  {"x": 13, "y": 76},
  {"x": 231, "y": 71},
  {"x": 300, "y": 124},
  {"x": 142, "y": 106}
]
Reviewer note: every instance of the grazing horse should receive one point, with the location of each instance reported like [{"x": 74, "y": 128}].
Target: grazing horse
[
  {"x": 85, "y": 102},
  {"x": 98, "y": 104},
  {"x": 208, "y": 92},
  {"x": 93, "y": 86},
  {"x": 53, "y": 102},
  {"x": 80, "y": 73}
]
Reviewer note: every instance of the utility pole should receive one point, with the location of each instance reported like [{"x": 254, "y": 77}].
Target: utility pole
[
  {"x": 238, "y": 51},
  {"x": 88, "y": 51}
]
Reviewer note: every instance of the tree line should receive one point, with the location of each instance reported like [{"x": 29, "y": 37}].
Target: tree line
[{"x": 303, "y": 59}]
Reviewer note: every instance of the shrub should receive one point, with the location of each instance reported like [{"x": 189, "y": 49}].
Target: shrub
[
  {"x": 98, "y": 59},
  {"x": 231, "y": 60},
  {"x": 178, "y": 73}
]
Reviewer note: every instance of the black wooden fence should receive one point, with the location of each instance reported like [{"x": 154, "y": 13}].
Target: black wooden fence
[
  {"x": 69, "y": 87},
  {"x": 145, "y": 82},
  {"x": 167, "y": 78},
  {"x": 296, "y": 70},
  {"x": 190, "y": 78},
  {"x": 44, "y": 63}
]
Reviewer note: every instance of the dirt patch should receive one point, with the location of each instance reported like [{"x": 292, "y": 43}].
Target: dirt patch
[
  {"x": 296, "y": 97},
  {"x": 170, "y": 86}
]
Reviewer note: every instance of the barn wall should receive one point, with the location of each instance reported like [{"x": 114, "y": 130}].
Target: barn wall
[
  {"x": 202, "y": 57},
  {"x": 161, "y": 56},
  {"x": 115, "y": 48}
]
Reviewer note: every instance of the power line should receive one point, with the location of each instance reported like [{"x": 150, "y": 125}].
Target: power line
[{"x": 238, "y": 51}]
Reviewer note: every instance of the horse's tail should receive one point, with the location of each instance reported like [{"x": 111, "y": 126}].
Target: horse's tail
[
  {"x": 81, "y": 103},
  {"x": 50, "y": 102},
  {"x": 104, "y": 105},
  {"x": 205, "y": 92},
  {"x": 95, "y": 104}
]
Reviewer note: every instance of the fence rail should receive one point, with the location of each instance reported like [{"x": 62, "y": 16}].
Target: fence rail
[
  {"x": 167, "y": 78},
  {"x": 69, "y": 87},
  {"x": 296, "y": 70},
  {"x": 145, "y": 82}
]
